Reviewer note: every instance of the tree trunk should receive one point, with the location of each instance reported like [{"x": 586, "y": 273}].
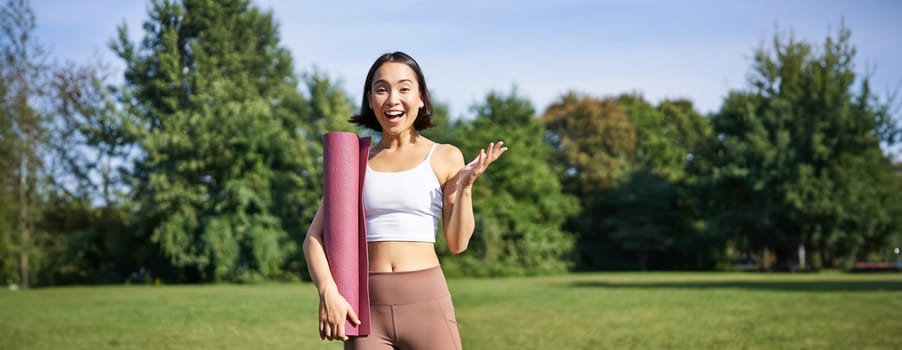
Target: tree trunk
[
  {"x": 802, "y": 266},
  {"x": 25, "y": 243}
]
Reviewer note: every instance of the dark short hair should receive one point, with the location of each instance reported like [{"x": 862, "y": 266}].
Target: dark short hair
[{"x": 367, "y": 117}]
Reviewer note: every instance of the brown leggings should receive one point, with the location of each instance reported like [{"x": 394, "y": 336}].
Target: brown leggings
[{"x": 409, "y": 310}]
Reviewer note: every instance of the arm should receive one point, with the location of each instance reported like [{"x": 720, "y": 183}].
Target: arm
[
  {"x": 457, "y": 212},
  {"x": 333, "y": 308},
  {"x": 459, "y": 222}
]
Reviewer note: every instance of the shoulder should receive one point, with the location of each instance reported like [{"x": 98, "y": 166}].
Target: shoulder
[
  {"x": 448, "y": 154},
  {"x": 447, "y": 160}
]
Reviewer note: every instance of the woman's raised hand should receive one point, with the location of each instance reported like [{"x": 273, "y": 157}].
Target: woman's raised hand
[{"x": 468, "y": 175}]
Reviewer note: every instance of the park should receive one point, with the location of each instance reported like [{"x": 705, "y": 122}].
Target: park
[{"x": 164, "y": 201}]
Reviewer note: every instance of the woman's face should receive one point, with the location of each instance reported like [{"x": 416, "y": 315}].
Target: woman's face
[{"x": 395, "y": 97}]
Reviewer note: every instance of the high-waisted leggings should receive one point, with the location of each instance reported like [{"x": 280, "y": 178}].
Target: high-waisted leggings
[{"x": 409, "y": 310}]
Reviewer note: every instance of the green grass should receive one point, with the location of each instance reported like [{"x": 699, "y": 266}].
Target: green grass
[{"x": 577, "y": 311}]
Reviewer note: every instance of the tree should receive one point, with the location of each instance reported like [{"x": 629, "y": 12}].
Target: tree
[
  {"x": 592, "y": 139},
  {"x": 7, "y": 185},
  {"x": 653, "y": 211},
  {"x": 518, "y": 203},
  {"x": 786, "y": 150},
  {"x": 689, "y": 131},
  {"x": 222, "y": 137},
  {"x": 7, "y": 188},
  {"x": 92, "y": 138},
  {"x": 329, "y": 105},
  {"x": 656, "y": 149},
  {"x": 645, "y": 216},
  {"x": 326, "y": 108},
  {"x": 24, "y": 133},
  {"x": 593, "y": 145},
  {"x": 89, "y": 212},
  {"x": 46, "y": 126}
]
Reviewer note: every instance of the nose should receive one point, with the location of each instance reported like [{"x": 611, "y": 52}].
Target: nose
[{"x": 394, "y": 97}]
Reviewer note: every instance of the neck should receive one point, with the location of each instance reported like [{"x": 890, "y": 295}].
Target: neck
[{"x": 399, "y": 141}]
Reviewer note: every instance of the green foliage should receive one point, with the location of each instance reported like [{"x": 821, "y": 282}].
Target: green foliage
[
  {"x": 444, "y": 130},
  {"x": 329, "y": 106},
  {"x": 656, "y": 150},
  {"x": 653, "y": 215},
  {"x": 626, "y": 161},
  {"x": 796, "y": 164},
  {"x": 593, "y": 146},
  {"x": 7, "y": 182},
  {"x": 223, "y": 140},
  {"x": 87, "y": 215},
  {"x": 23, "y": 135},
  {"x": 593, "y": 142},
  {"x": 518, "y": 217},
  {"x": 91, "y": 135},
  {"x": 206, "y": 164},
  {"x": 644, "y": 215}
]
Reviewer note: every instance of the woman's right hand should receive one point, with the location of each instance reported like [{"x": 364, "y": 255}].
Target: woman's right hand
[{"x": 334, "y": 309}]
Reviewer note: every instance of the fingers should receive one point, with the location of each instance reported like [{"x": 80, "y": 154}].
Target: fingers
[
  {"x": 327, "y": 331},
  {"x": 491, "y": 152},
  {"x": 340, "y": 335},
  {"x": 482, "y": 158},
  {"x": 334, "y": 331},
  {"x": 352, "y": 316},
  {"x": 496, "y": 149},
  {"x": 323, "y": 319},
  {"x": 332, "y": 324},
  {"x": 478, "y": 165}
]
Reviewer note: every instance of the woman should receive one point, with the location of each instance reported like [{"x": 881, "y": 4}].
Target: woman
[{"x": 411, "y": 183}]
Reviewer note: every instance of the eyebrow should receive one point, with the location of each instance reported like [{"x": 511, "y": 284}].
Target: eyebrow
[{"x": 399, "y": 81}]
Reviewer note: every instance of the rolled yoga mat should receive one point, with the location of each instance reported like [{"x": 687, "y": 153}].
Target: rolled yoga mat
[{"x": 344, "y": 230}]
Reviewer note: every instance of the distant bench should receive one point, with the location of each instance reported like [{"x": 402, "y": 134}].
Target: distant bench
[{"x": 876, "y": 267}]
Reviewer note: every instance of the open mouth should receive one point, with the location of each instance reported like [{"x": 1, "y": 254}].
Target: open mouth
[{"x": 394, "y": 115}]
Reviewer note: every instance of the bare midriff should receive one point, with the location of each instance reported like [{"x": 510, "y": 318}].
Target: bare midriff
[{"x": 394, "y": 256}]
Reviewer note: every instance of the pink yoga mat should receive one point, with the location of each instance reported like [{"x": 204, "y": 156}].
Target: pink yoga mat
[{"x": 344, "y": 231}]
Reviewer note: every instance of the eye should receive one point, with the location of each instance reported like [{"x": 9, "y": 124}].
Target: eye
[
  {"x": 405, "y": 89},
  {"x": 380, "y": 90}
]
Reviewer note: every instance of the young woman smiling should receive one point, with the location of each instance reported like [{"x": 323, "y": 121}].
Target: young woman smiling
[{"x": 411, "y": 183}]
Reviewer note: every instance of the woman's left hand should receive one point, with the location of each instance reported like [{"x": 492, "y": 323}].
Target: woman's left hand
[{"x": 468, "y": 175}]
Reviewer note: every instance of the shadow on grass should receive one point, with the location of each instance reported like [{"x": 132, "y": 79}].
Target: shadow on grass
[{"x": 796, "y": 286}]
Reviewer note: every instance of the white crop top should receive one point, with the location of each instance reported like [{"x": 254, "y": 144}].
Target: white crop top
[{"x": 404, "y": 205}]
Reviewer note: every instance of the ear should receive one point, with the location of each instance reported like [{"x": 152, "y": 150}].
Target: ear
[{"x": 422, "y": 104}]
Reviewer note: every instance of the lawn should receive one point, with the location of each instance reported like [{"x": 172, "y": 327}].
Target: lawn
[{"x": 575, "y": 311}]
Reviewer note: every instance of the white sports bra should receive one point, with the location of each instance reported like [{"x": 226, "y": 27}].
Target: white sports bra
[{"x": 404, "y": 205}]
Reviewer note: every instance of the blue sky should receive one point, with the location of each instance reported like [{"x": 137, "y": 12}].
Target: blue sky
[{"x": 695, "y": 49}]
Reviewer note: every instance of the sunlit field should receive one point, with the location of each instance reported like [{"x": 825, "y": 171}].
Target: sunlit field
[{"x": 576, "y": 311}]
